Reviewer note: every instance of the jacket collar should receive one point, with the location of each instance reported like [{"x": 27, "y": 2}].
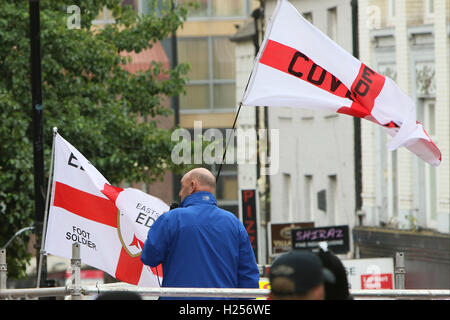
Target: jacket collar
[{"x": 200, "y": 197}]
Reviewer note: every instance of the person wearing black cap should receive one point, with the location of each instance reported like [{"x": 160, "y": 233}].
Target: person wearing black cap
[
  {"x": 298, "y": 275},
  {"x": 338, "y": 290}
]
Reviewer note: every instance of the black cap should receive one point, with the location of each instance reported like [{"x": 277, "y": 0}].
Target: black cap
[{"x": 302, "y": 269}]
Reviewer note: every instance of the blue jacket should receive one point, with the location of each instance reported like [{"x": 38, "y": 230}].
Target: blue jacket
[{"x": 201, "y": 245}]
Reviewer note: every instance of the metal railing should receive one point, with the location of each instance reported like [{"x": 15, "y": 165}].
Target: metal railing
[{"x": 76, "y": 291}]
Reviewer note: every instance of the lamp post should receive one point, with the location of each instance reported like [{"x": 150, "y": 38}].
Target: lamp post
[{"x": 37, "y": 124}]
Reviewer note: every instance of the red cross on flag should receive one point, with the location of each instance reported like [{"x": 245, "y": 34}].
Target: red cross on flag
[
  {"x": 299, "y": 66},
  {"x": 109, "y": 223}
]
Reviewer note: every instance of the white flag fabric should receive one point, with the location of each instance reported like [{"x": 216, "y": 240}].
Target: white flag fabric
[
  {"x": 109, "y": 223},
  {"x": 299, "y": 66}
]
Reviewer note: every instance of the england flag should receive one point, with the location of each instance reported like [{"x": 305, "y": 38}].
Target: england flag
[
  {"x": 299, "y": 66},
  {"x": 109, "y": 223}
]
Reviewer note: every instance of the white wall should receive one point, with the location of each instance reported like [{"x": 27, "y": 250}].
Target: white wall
[{"x": 397, "y": 185}]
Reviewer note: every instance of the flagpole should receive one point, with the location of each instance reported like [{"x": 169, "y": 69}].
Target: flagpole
[
  {"x": 47, "y": 201},
  {"x": 356, "y": 120},
  {"x": 256, "y": 13},
  {"x": 228, "y": 142}
]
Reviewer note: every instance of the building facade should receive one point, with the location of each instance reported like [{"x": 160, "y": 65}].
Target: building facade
[
  {"x": 316, "y": 147},
  {"x": 408, "y": 41},
  {"x": 406, "y": 202},
  {"x": 315, "y": 180}
]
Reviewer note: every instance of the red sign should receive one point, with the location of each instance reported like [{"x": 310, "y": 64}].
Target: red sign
[
  {"x": 249, "y": 217},
  {"x": 377, "y": 281}
]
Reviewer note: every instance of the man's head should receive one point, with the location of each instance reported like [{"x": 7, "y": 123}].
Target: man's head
[
  {"x": 199, "y": 179},
  {"x": 298, "y": 275}
]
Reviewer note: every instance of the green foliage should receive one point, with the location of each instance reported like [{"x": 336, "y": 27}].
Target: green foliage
[{"x": 96, "y": 104}]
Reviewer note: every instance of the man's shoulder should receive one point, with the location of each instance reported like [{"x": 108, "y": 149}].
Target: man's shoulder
[
  {"x": 184, "y": 212},
  {"x": 179, "y": 212},
  {"x": 173, "y": 213},
  {"x": 228, "y": 215}
]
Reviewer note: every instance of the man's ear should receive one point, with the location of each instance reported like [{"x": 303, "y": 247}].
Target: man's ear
[{"x": 193, "y": 186}]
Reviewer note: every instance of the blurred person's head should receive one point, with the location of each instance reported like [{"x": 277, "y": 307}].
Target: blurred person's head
[
  {"x": 298, "y": 275},
  {"x": 339, "y": 289}
]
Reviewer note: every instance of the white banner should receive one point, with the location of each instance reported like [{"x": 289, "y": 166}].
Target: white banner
[
  {"x": 110, "y": 223},
  {"x": 372, "y": 273},
  {"x": 299, "y": 66}
]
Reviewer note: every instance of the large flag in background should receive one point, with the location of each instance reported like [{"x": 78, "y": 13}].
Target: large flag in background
[
  {"x": 299, "y": 66},
  {"x": 110, "y": 223}
]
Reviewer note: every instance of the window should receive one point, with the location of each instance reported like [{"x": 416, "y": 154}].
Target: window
[
  {"x": 391, "y": 8},
  {"x": 429, "y": 120},
  {"x": 393, "y": 185},
  {"x": 428, "y": 189},
  {"x": 287, "y": 197},
  {"x": 432, "y": 195},
  {"x": 219, "y": 8},
  {"x": 430, "y": 125},
  {"x": 308, "y": 16},
  {"x": 332, "y": 23},
  {"x": 430, "y": 7},
  {"x": 227, "y": 184},
  {"x": 212, "y": 74},
  {"x": 386, "y": 185},
  {"x": 332, "y": 200},
  {"x": 227, "y": 187},
  {"x": 104, "y": 17},
  {"x": 308, "y": 198}
]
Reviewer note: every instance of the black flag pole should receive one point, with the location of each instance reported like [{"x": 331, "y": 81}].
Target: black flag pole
[
  {"x": 47, "y": 204},
  {"x": 258, "y": 15},
  {"x": 356, "y": 120},
  {"x": 228, "y": 142}
]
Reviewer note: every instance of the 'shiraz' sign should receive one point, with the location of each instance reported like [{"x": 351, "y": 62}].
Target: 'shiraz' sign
[{"x": 336, "y": 237}]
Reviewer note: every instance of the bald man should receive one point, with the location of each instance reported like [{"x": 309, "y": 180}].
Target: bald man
[{"x": 199, "y": 244}]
